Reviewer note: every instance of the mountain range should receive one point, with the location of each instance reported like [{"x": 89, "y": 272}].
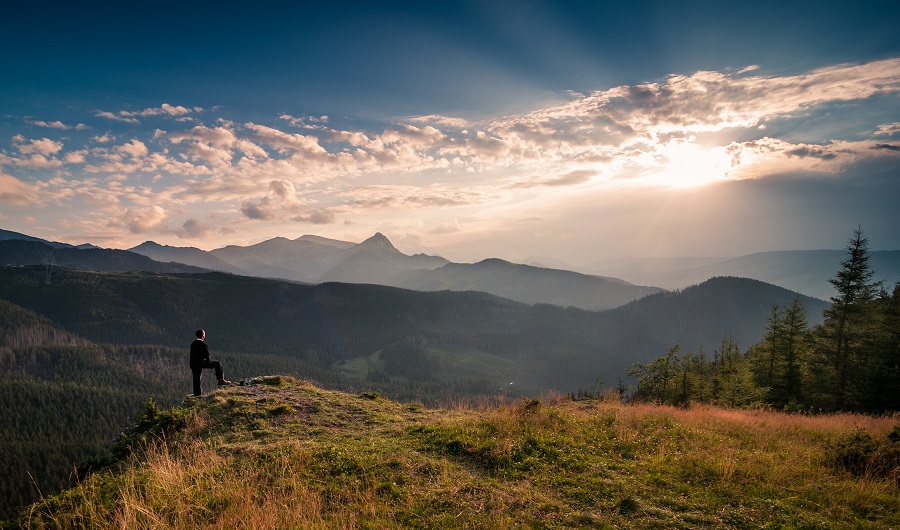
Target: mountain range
[
  {"x": 804, "y": 271},
  {"x": 598, "y": 286},
  {"x": 313, "y": 259}
]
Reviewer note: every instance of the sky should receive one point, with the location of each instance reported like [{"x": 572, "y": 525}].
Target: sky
[{"x": 522, "y": 130}]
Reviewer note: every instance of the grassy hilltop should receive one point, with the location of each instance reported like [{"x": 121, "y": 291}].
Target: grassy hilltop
[{"x": 280, "y": 453}]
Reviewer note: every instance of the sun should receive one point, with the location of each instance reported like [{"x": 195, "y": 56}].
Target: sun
[{"x": 682, "y": 163}]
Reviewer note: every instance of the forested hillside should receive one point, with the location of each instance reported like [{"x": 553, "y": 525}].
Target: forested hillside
[
  {"x": 849, "y": 359},
  {"x": 82, "y": 354},
  {"x": 64, "y": 399},
  {"x": 540, "y": 346}
]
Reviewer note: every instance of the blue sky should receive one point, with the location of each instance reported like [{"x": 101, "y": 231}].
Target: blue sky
[{"x": 574, "y": 130}]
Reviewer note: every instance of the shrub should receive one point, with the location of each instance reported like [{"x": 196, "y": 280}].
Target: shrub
[{"x": 862, "y": 454}]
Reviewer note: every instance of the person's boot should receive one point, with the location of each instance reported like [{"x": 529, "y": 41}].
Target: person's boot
[{"x": 225, "y": 382}]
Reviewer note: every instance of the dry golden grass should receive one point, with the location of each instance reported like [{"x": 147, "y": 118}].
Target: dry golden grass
[{"x": 296, "y": 456}]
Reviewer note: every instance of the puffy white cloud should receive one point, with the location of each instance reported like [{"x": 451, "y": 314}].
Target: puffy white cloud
[
  {"x": 220, "y": 137},
  {"x": 135, "y": 148},
  {"x": 44, "y": 146},
  {"x": 164, "y": 109},
  {"x": 142, "y": 220},
  {"x": 287, "y": 142},
  {"x": 75, "y": 157},
  {"x": 37, "y": 161}
]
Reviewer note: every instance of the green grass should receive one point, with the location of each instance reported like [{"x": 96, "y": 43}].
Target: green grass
[
  {"x": 457, "y": 364},
  {"x": 286, "y": 454}
]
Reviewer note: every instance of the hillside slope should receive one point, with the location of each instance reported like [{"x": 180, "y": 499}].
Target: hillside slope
[
  {"x": 539, "y": 347},
  {"x": 282, "y": 454},
  {"x": 804, "y": 271},
  {"x": 530, "y": 285},
  {"x": 687, "y": 317},
  {"x": 56, "y": 258},
  {"x": 186, "y": 255}
]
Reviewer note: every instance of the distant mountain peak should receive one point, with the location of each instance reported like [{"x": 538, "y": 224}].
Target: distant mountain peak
[
  {"x": 379, "y": 240},
  {"x": 146, "y": 244}
]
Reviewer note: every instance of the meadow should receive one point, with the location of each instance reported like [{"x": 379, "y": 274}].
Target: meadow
[{"x": 282, "y": 453}]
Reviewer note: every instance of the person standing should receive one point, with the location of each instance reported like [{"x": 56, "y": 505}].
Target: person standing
[{"x": 200, "y": 359}]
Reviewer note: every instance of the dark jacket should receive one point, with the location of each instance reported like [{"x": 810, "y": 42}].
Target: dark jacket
[{"x": 199, "y": 353}]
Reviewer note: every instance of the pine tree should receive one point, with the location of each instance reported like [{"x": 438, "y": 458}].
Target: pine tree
[
  {"x": 843, "y": 336},
  {"x": 793, "y": 348},
  {"x": 733, "y": 384},
  {"x": 882, "y": 383}
]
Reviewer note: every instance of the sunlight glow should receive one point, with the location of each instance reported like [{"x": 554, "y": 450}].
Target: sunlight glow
[{"x": 685, "y": 164}]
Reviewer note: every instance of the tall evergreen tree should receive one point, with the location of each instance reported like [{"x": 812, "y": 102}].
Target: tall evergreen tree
[
  {"x": 793, "y": 349},
  {"x": 882, "y": 388},
  {"x": 842, "y": 337},
  {"x": 733, "y": 384}
]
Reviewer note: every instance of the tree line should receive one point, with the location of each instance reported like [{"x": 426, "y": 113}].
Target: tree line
[{"x": 849, "y": 362}]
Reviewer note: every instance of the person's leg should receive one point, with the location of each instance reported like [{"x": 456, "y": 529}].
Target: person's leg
[
  {"x": 220, "y": 373},
  {"x": 197, "y": 371}
]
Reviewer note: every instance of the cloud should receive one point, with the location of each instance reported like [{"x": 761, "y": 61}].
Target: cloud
[
  {"x": 143, "y": 220},
  {"x": 220, "y": 137},
  {"x": 400, "y": 197},
  {"x": 445, "y": 228},
  {"x": 305, "y": 122},
  {"x": 135, "y": 149},
  {"x": 37, "y": 161},
  {"x": 194, "y": 229},
  {"x": 264, "y": 210},
  {"x": 75, "y": 157},
  {"x": 286, "y": 142},
  {"x": 59, "y": 125},
  {"x": 284, "y": 190},
  {"x": 571, "y": 178},
  {"x": 651, "y": 134},
  {"x": 44, "y": 146},
  {"x": 317, "y": 217},
  {"x": 165, "y": 109},
  {"x": 443, "y": 121},
  {"x": 15, "y": 192},
  {"x": 115, "y": 117},
  {"x": 888, "y": 129},
  {"x": 812, "y": 151}
]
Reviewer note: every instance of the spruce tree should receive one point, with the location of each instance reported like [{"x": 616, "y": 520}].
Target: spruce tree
[
  {"x": 842, "y": 337},
  {"x": 793, "y": 348}
]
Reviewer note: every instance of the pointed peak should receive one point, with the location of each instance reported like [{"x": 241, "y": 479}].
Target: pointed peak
[
  {"x": 379, "y": 240},
  {"x": 147, "y": 244}
]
